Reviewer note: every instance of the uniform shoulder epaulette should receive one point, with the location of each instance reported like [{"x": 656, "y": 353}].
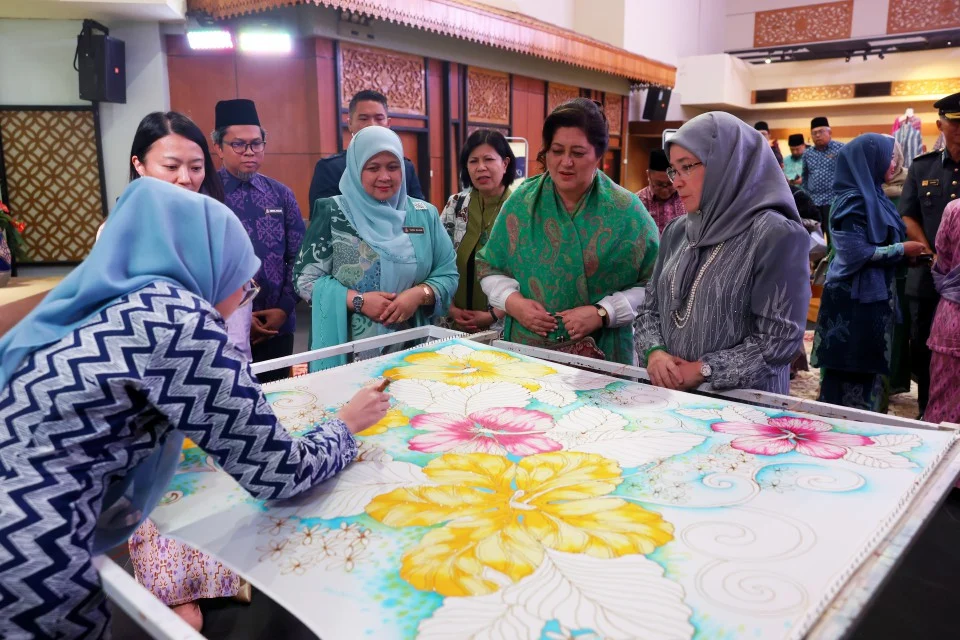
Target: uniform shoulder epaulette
[
  {"x": 420, "y": 205},
  {"x": 927, "y": 154}
]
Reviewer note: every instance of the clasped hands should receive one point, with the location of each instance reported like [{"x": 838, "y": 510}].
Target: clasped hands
[
  {"x": 579, "y": 322},
  {"x": 674, "y": 373},
  {"x": 469, "y": 320},
  {"x": 389, "y": 308}
]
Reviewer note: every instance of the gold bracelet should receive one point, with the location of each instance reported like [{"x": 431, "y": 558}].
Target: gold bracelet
[{"x": 427, "y": 292}]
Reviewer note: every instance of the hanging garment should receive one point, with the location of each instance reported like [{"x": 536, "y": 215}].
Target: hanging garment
[{"x": 907, "y": 133}]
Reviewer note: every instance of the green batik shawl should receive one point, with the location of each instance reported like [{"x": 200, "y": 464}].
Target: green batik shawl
[
  {"x": 334, "y": 259},
  {"x": 565, "y": 261}
]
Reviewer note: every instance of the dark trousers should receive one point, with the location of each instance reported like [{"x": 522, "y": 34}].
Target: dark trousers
[
  {"x": 922, "y": 311},
  {"x": 276, "y": 347}
]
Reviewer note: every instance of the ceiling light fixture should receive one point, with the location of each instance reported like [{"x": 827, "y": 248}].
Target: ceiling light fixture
[
  {"x": 266, "y": 42},
  {"x": 893, "y": 41},
  {"x": 880, "y": 55},
  {"x": 864, "y": 56},
  {"x": 768, "y": 60},
  {"x": 209, "y": 39}
]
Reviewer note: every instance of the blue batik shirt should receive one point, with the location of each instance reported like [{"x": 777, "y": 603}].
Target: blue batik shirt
[{"x": 819, "y": 165}]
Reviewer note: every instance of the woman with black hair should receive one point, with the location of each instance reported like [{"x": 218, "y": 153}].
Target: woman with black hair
[
  {"x": 571, "y": 251},
  {"x": 487, "y": 169}
]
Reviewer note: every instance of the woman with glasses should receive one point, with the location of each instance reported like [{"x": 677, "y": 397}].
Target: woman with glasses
[
  {"x": 571, "y": 251},
  {"x": 374, "y": 260},
  {"x": 728, "y": 300},
  {"x": 102, "y": 382}
]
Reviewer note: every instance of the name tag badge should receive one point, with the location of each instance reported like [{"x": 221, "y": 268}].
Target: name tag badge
[
  {"x": 416, "y": 230},
  {"x": 930, "y": 183},
  {"x": 273, "y": 211}
]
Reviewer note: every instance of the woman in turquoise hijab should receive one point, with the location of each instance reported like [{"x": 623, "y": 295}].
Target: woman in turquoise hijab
[
  {"x": 374, "y": 260},
  {"x": 102, "y": 381}
]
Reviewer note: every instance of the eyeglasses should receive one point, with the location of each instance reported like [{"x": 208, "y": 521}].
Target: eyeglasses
[
  {"x": 684, "y": 171},
  {"x": 252, "y": 289},
  {"x": 822, "y": 131},
  {"x": 240, "y": 147},
  {"x": 656, "y": 184}
]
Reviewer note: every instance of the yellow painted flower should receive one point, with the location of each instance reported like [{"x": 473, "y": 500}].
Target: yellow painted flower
[
  {"x": 500, "y": 517},
  {"x": 465, "y": 367},
  {"x": 394, "y": 418}
]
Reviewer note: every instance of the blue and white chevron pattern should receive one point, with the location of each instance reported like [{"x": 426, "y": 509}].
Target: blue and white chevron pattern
[{"x": 79, "y": 414}]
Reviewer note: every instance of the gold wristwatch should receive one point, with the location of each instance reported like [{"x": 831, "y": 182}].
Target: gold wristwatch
[{"x": 604, "y": 316}]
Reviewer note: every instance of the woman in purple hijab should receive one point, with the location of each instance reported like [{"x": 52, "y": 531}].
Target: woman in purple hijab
[{"x": 944, "y": 342}]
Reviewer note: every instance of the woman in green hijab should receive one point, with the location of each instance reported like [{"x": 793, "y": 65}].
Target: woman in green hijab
[
  {"x": 373, "y": 260},
  {"x": 488, "y": 168},
  {"x": 571, "y": 251}
]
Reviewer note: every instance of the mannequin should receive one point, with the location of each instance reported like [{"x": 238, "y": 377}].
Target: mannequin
[{"x": 906, "y": 129}]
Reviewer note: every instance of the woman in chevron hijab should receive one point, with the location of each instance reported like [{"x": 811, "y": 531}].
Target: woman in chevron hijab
[{"x": 102, "y": 381}]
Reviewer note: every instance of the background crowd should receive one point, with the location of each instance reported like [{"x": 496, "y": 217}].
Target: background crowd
[{"x": 702, "y": 277}]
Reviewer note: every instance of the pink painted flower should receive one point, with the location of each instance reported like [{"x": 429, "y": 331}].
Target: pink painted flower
[
  {"x": 783, "y": 435},
  {"x": 497, "y": 431}
]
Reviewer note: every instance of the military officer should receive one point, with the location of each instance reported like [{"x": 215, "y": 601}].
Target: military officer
[{"x": 933, "y": 181}]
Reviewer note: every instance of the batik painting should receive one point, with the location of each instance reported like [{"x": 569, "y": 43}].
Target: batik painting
[{"x": 507, "y": 497}]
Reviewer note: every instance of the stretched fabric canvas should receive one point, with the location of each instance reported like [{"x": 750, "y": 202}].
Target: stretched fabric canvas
[{"x": 507, "y": 497}]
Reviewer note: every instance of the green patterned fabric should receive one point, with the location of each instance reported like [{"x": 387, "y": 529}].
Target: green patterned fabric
[
  {"x": 565, "y": 261},
  {"x": 334, "y": 259},
  {"x": 481, "y": 214}
]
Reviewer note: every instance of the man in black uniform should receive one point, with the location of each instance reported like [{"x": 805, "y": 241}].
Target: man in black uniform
[
  {"x": 367, "y": 109},
  {"x": 932, "y": 182}
]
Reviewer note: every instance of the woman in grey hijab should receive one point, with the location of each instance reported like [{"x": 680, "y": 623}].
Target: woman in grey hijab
[{"x": 728, "y": 300}]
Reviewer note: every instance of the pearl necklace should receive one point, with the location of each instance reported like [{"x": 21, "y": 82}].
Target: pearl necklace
[{"x": 680, "y": 320}]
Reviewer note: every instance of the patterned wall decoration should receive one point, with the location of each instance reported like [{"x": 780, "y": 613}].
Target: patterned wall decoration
[
  {"x": 939, "y": 87},
  {"x": 825, "y": 92},
  {"x": 474, "y": 127},
  {"x": 488, "y": 96},
  {"x": 557, "y": 94},
  {"x": 812, "y": 23},
  {"x": 906, "y": 16},
  {"x": 398, "y": 76},
  {"x": 53, "y": 180},
  {"x": 613, "y": 108}
]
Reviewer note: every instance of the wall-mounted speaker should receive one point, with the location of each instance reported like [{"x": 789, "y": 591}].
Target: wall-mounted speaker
[
  {"x": 655, "y": 108},
  {"x": 100, "y": 62}
]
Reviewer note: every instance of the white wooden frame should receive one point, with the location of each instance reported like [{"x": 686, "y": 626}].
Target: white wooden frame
[{"x": 847, "y": 607}]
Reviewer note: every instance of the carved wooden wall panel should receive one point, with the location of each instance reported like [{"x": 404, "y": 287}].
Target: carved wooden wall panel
[
  {"x": 825, "y": 92},
  {"x": 53, "y": 180},
  {"x": 488, "y": 96},
  {"x": 557, "y": 94},
  {"x": 474, "y": 127},
  {"x": 613, "y": 108},
  {"x": 906, "y": 16},
  {"x": 939, "y": 87},
  {"x": 398, "y": 76},
  {"x": 812, "y": 23}
]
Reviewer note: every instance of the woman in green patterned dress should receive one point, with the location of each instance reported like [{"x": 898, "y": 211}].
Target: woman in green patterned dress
[
  {"x": 373, "y": 260},
  {"x": 571, "y": 251}
]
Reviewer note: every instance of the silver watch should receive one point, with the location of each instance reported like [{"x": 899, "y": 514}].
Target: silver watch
[
  {"x": 706, "y": 370},
  {"x": 358, "y": 302}
]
